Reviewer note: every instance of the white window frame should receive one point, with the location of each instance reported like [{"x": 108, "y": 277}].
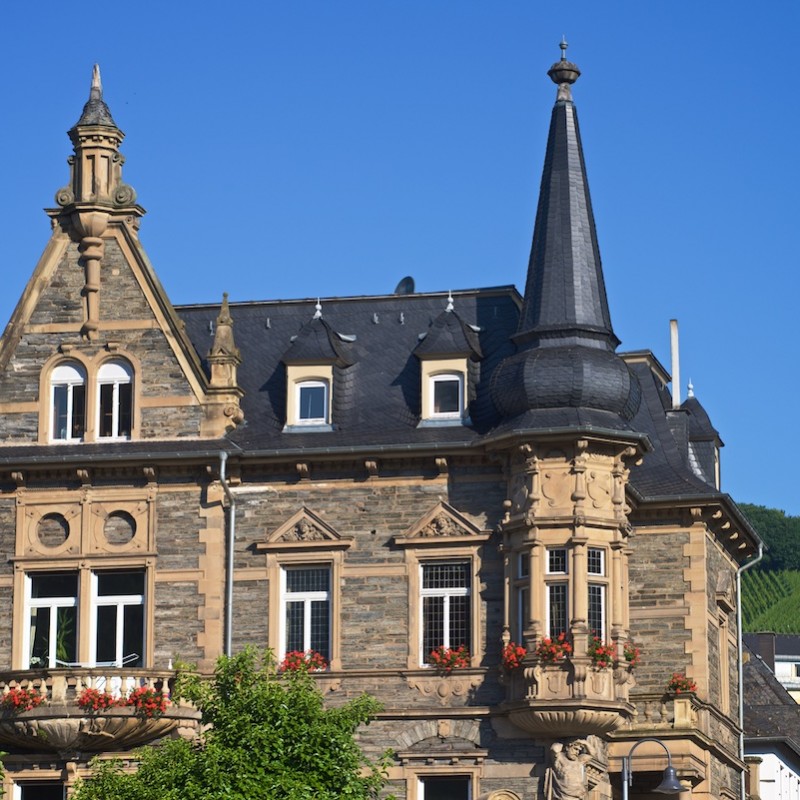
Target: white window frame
[
  {"x": 54, "y": 604},
  {"x": 563, "y": 550},
  {"x": 601, "y": 589},
  {"x": 18, "y": 786},
  {"x": 443, "y": 377},
  {"x": 446, "y": 594},
  {"x": 67, "y": 375},
  {"x": 115, "y": 373},
  {"x": 306, "y": 598},
  {"x": 120, "y": 601},
  {"x": 316, "y": 383},
  {"x": 548, "y": 603}
]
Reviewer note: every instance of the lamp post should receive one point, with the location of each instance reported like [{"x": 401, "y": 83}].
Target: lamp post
[{"x": 669, "y": 784}]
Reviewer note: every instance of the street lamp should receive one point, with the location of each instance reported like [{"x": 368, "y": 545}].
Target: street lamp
[{"x": 669, "y": 784}]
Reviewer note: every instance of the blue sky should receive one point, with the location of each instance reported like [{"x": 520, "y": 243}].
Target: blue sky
[{"x": 330, "y": 148}]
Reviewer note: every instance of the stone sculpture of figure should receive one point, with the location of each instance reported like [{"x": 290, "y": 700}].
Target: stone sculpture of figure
[{"x": 565, "y": 778}]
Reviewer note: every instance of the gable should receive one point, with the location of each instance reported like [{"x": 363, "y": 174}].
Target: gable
[
  {"x": 133, "y": 321},
  {"x": 442, "y": 524},
  {"x": 304, "y": 530}
]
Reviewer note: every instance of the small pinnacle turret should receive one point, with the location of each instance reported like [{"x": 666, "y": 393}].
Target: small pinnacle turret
[{"x": 96, "y": 112}]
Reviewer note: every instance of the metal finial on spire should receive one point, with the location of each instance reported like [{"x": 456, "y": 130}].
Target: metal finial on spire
[
  {"x": 317, "y": 310},
  {"x": 449, "y": 302},
  {"x": 563, "y": 72},
  {"x": 690, "y": 389},
  {"x": 96, "y": 92}
]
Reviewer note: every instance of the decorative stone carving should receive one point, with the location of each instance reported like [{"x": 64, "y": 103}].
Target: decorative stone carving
[
  {"x": 304, "y": 529},
  {"x": 566, "y": 777},
  {"x": 444, "y": 687},
  {"x": 442, "y": 522}
]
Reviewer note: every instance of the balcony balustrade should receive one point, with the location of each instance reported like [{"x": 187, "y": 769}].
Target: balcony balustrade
[{"x": 58, "y": 724}]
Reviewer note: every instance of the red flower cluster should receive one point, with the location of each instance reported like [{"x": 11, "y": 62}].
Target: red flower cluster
[
  {"x": 551, "y": 651},
  {"x": 602, "y": 653},
  {"x": 17, "y": 700},
  {"x": 147, "y": 702},
  {"x": 308, "y": 661},
  {"x": 680, "y": 684},
  {"x": 95, "y": 700},
  {"x": 512, "y": 656},
  {"x": 446, "y": 659},
  {"x": 633, "y": 655}
]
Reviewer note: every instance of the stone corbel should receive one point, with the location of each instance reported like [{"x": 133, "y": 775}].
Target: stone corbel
[{"x": 91, "y": 225}]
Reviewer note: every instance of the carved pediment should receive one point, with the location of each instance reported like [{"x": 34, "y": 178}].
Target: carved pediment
[
  {"x": 442, "y": 524},
  {"x": 303, "y": 530}
]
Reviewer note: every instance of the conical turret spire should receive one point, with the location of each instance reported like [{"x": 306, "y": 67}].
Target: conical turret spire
[
  {"x": 565, "y": 295},
  {"x": 565, "y": 343}
]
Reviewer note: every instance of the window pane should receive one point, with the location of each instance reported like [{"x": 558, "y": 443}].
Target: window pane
[
  {"x": 313, "y": 579},
  {"x": 596, "y": 609},
  {"x": 522, "y": 612},
  {"x": 107, "y": 633},
  {"x": 125, "y": 409},
  {"x": 445, "y": 576},
  {"x": 594, "y": 561},
  {"x": 42, "y": 791},
  {"x": 107, "y": 409},
  {"x": 120, "y": 583},
  {"x": 432, "y": 625},
  {"x": 40, "y": 638},
  {"x": 557, "y": 560},
  {"x": 60, "y": 412},
  {"x": 54, "y": 584},
  {"x": 459, "y": 622},
  {"x": 445, "y": 788},
  {"x": 78, "y": 411},
  {"x": 446, "y": 396},
  {"x": 312, "y": 402},
  {"x": 319, "y": 627},
  {"x": 133, "y": 635},
  {"x": 294, "y": 626},
  {"x": 557, "y": 593}
]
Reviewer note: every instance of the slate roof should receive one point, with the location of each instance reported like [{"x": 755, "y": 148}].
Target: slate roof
[{"x": 769, "y": 711}]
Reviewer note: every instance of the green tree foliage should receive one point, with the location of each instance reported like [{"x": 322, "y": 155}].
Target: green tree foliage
[
  {"x": 270, "y": 738},
  {"x": 780, "y": 533}
]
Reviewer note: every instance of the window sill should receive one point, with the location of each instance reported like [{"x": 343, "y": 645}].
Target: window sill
[
  {"x": 314, "y": 427},
  {"x": 444, "y": 422}
]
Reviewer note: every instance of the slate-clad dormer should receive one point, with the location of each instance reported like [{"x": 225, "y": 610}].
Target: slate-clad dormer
[
  {"x": 312, "y": 361},
  {"x": 565, "y": 343},
  {"x": 704, "y": 441},
  {"x": 449, "y": 354}
]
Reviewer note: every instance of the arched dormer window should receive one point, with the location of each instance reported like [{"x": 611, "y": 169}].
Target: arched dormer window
[
  {"x": 446, "y": 396},
  {"x": 114, "y": 400},
  {"x": 67, "y": 403}
]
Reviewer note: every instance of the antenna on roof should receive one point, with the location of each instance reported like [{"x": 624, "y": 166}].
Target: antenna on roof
[
  {"x": 676, "y": 363},
  {"x": 406, "y": 286}
]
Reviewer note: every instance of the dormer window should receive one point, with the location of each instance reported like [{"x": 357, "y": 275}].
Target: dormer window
[
  {"x": 114, "y": 400},
  {"x": 446, "y": 394},
  {"x": 312, "y": 403},
  {"x": 68, "y": 403}
]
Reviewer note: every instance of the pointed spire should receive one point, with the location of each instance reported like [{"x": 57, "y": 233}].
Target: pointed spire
[
  {"x": 690, "y": 389},
  {"x": 224, "y": 344},
  {"x": 96, "y": 112},
  {"x": 565, "y": 355},
  {"x": 565, "y": 295}
]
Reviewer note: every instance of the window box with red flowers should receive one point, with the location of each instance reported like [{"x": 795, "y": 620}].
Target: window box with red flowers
[
  {"x": 553, "y": 650},
  {"x": 513, "y": 656},
  {"x": 632, "y": 653},
  {"x": 679, "y": 683},
  {"x": 447, "y": 659},
  {"x": 147, "y": 702},
  {"x": 303, "y": 661},
  {"x": 602, "y": 653},
  {"x": 94, "y": 700},
  {"x": 16, "y": 700}
]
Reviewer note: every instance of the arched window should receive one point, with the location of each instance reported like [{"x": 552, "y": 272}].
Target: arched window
[
  {"x": 67, "y": 403},
  {"x": 446, "y": 396},
  {"x": 114, "y": 400}
]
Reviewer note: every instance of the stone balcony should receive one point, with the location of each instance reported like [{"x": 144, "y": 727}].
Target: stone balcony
[
  {"x": 569, "y": 698},
  {"x": 59, "y": 725}
]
